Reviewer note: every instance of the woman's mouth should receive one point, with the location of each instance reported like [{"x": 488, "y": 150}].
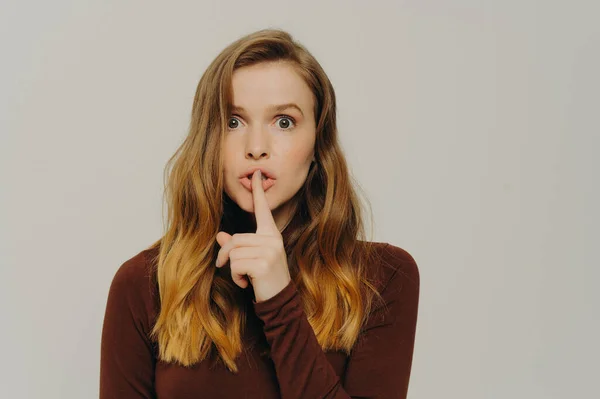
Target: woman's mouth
[{"x": 267, "y": 182}]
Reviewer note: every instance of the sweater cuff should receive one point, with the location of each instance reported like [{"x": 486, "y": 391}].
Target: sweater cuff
[{"x": 262, "y": 309}]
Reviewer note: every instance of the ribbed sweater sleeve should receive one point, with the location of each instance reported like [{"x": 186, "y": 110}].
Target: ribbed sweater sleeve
[{"x": 380, "y": 363}]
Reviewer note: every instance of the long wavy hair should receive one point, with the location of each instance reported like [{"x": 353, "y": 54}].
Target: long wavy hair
[{"x": 202, "y": 312}]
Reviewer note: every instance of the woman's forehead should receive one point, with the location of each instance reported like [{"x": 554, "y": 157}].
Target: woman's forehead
[{"x": 265, "y": 86}]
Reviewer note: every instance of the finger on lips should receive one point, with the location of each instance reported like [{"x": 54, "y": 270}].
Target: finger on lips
[
  {"x": 246, "y": 243},
  {"x": 265, "y": 224}
]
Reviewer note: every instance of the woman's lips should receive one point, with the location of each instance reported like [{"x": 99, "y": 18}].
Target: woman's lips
[{"x": 246, "y": 182}]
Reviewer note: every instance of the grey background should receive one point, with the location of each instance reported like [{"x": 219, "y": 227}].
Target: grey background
[{"x": 472, "y": 127}]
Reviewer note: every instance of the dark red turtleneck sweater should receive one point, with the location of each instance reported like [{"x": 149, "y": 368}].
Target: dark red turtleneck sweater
[{"x": 378, "y": 367}]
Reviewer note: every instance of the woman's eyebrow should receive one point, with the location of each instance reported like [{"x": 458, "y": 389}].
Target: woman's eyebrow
[{"x": 274, "y": 108}]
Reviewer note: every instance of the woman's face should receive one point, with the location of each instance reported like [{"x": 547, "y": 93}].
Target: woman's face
[{"x": 266, "y": 130}]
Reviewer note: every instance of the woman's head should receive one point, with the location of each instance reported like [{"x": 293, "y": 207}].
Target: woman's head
[{"x": 235, "y": 128}]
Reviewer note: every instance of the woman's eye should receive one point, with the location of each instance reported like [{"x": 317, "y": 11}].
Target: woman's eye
[
  {"x": 285, "y": 122},
  {"x": 235, "y": 123}
]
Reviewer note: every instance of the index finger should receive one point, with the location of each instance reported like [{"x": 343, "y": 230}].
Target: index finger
[{"x": 265, "y": 224}]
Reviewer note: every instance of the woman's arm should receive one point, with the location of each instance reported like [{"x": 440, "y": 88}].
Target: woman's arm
[
  {"x": 380, "y": 362},
  {"x": 126, "y": 356}
]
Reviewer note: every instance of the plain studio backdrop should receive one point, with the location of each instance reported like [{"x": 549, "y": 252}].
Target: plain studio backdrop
[{"x": 472, "y": 127}]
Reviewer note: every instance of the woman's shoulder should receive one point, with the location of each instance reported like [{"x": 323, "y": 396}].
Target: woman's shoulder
[
  {"x": 393, "y": 265},
  {"x": 136, "y": 271},
  {"x": 134, "y": 282}
]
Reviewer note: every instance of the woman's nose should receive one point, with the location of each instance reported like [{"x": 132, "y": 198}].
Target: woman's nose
[{"x": 258, "y": 143}]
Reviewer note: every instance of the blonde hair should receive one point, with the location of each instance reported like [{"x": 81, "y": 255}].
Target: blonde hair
[{"x": 202, "y": 310}]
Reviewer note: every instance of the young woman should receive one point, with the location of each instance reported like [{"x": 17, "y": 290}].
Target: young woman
[{"x": 262, "y": 285}]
